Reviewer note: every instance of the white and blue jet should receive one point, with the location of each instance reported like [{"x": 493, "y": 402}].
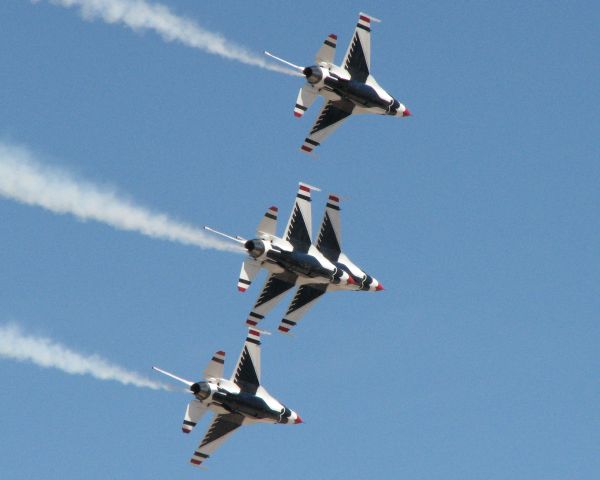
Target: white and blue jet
[
  {"x": 294, "y": 260},
  {"x": 240, "y": 400},
  {"x": 348, "y": 89}
]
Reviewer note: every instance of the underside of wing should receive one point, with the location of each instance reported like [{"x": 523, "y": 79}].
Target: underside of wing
[
  {"x": 220, "y": 429},
  {"x": 273, "y": 291},
  {"x": 298, "y": 229},
  {"x": 246, "y": 374},
  {"x": 329, "y": 240},
  {"x": 330, "y": 117},
  {"x": 305, "y": 298},
  {"x": 357, "y": 60}
]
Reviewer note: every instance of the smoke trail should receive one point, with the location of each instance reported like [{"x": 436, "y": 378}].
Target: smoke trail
[
  {"x": 140, "y": 15},
  {"x": 46, "y": 353},
  {"x": 24, "y": 180}
]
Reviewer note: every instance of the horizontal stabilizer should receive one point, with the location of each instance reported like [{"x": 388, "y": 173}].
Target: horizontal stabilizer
[
  {"x": 268, "y": 224},
  {"x": 193, "y": 413},
  {"x": 214, "y": 369},
  {"x": 327, "y": 51},
  {"x": 250, "y": 269},
  {"x": 306, "y": 97}
]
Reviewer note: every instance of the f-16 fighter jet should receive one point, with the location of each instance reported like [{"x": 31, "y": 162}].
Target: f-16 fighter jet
[
  {"x": 348, "y": 89},
  {"x": 241, "y": 400},
  {"x": 294, "y": 261}
]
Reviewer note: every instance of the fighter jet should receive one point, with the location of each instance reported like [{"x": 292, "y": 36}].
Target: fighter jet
[
  {"x": 349, "y": 89},
  {"x": 294, "y": 261},
  {"x": 241, "y": 400}
]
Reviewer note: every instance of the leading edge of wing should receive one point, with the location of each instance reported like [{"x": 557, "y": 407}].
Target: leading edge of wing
[
  {"x": 331, "y": 116},
  {"x": 220, "y": 428}
]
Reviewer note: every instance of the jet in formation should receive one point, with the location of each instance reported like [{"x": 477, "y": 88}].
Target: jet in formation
[
  {"x": 295, "y": 261},
  {"x": 241, "y": 400},
  {"x": 347, "y": 89}
]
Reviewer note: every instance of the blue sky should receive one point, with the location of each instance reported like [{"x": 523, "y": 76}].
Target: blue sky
[{"x": 479, "y": 214}]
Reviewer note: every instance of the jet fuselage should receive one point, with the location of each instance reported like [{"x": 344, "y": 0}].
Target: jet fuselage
[
  {"x": 279, "y": 256},
  {"x": 225, "y": 396},
  {"x": 334, "y": 83}
]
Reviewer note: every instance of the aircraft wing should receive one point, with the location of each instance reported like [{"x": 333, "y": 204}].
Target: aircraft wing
[
  {"x": 305, "y": 298},
  {"x": 220, "y": 429},
  {"x": 330, "y": 117},
  {"x": 276, "y": 285},
  {"x": 246, "y": 373},
  {"x": 298, "y": 230},
  {"x": 358, "y": 56},
  {"x": 330, "y": 239}
]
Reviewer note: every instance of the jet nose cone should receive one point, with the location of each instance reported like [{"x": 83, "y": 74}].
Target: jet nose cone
[
  {"x": 298, "y": 419},
  {"x": 379, "y": 287},
  {"x": 406, "y": 112}
]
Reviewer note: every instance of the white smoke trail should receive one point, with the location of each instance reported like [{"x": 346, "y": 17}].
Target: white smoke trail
[
  {"x": 46, "y": 353},
  {"x": 26, "y": 181},
  {"x": 140, "y": 15}
]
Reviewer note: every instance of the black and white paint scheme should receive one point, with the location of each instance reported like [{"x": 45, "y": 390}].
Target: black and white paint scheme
[
  {"x": 348, "y": 89},
  {"x": 240, "y": 400},
  {"x": 295, "y": 260}
]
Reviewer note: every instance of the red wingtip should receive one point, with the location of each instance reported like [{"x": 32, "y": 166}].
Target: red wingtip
[
  {"x": 379, "y": 287},
  {"x": 298, "y": 420},
  {"x": 406, "y": 113},
  {"x": 296, "y": 114},
  {"x": 241, "y": 289},
  {"x": 185, "y": 431}
]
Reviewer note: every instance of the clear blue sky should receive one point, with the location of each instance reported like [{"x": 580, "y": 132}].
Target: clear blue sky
[{"x": 479, "y": 215}]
